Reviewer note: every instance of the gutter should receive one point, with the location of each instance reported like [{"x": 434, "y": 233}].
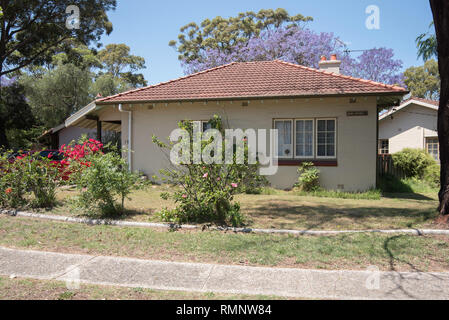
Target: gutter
[{"x": 130, "y": 113}]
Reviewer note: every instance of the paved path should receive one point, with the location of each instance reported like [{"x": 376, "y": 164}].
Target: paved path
[{"x": 222, "y": 278}]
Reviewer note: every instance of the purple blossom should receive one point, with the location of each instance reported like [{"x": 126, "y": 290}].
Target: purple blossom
[
  {"x": 304, "y": 47},
  {"x": 6, "y": 82}
]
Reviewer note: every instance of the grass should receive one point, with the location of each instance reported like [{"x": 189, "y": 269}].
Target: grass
[
  {"x": 368, "y": 195},
  {"x": 29, "y": 289},
  {"x": 348, "y": 251},
  {"x": 288, "y": 210}
]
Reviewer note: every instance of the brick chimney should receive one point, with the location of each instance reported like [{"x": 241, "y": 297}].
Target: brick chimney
[{"x": 332, "y": 65}]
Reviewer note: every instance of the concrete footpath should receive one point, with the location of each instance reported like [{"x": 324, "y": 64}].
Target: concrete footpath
[{"x": 199, "y": 277}]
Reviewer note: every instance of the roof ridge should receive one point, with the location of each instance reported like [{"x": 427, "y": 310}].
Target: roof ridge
[
  {"x": 166, "y": 82},
  {"x": 342, "y": 76}
]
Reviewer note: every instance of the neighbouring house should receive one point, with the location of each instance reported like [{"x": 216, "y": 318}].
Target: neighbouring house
[
  {"x": 61, "y": 135},
  {"x": 413, "y": 124},
  {"x": 322, "y": 116}
]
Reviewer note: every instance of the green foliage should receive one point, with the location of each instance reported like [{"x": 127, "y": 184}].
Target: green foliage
[
  {"x": 42, "y": 179},
  {"x": 13, "y": 182},
  {"x": 105, "y": 179},
  {"x": 427, "y": 45},
  {"x": 205, "y": 192},
  {"x": 15, "y": 113},
  {"x": 373, "y": 194},
  {"x": 309, "y": 177},
  {"x": 432, "y": 175},
  {"x": 36, "y": 27},
  {"x": 118, "y": 62},
  {"x": 57, "y": 93},
  {"x": 225, "y": 32},
  {"x": 392, "y": 184},
  {"x": 424, "y": 81},
  {"x": 412, "y": 162},
  {"x": 28, "y": 174}
]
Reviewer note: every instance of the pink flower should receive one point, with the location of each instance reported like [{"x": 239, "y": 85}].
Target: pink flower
[
  {"x": 205, "y": 175},
  {"x": 218, "y": 179},
  {"x": 184, "y": 196},
  {"x": 50, "y": 155},
  {"x": 234, "y": 185}
]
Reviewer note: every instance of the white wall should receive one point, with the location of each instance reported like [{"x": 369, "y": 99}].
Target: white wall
[
  {"x": 409, "y": 127},
  {"x": 356, "y": 136},
  {"x": 69, "y": 134}
]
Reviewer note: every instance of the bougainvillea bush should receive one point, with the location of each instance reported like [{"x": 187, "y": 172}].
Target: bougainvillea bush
[
  {"x": 102, "y": 179},
  {"x": 205, "y": 192}
]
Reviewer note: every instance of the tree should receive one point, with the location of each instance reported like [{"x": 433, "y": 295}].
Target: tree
[
  {"x": 302, "y": 46},
  {"x": 30, "y": 29},
  {"x": 427, "y": 45},
  {"x": 225, "y": 33},
  {"x": 56, "y": 93},
  {"x": 424, "y": 81},
  {"x": 117, "y": 61},
  {"x": 15, "y": 113},
  {"x": 377, "y": 64},
  {"x": 440, "y": 11}
]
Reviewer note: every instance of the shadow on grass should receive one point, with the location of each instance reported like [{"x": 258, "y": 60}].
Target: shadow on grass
[
  {"x": 411, "y": 196},
  {"x": 286, "y": 215}
]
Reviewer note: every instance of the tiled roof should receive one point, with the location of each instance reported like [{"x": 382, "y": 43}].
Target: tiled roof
[
  {"x": 435, "y": 103},
  {"x": 253, "y": 80},
  {"x": 432, "y": 104}
]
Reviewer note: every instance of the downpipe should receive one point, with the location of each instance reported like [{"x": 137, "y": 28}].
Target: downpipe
[{"x": 120, "y": 108}]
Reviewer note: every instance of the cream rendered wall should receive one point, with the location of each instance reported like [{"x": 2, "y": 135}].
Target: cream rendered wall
[
  {"x": 69, "y": 134},
  {"x": 356, "y": 136},
  {"x": 409, "y": 127}
]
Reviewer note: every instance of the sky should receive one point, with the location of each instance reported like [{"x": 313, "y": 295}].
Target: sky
[{"x": 147, "y": 26}]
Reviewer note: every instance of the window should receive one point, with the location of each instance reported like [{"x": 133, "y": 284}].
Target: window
[
  {"x": 433, "y": 148},
  {"x": 285, "y": 145},
  {"x": 204, "y": 125},
  {"x": 304, "y": 138},
  {"x": 384, "y": 146},
  {"x": 326, "y": 138},
  {"x": 312, "y": 138}
]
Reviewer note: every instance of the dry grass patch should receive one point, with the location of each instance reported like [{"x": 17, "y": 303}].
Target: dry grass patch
[{"x": 287, "y": 210}]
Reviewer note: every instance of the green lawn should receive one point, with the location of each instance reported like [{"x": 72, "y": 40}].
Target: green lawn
[
  {"x": 348, "y": 251},
  {"x": 288, "y": 210},
  {"x": 30, "y": 289}
]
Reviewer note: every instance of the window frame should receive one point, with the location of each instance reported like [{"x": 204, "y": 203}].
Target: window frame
[
  {"x": 293, "y": 151},
  {"x": 433, "y": 143},
  {"x": 380, "y": 148},
  {"x": 313, "y": 138},
  {"x": 335, "y": 139}
]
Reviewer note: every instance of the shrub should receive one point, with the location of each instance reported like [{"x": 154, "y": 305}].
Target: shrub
[
  {"x": 13, "y": 181},
  {"x": 432, "y": 175},
  {"x": 412, "y": 162},
  {"x": 205, "y": 192},
  {"x": 28, "y": 173},
  {"x": 43, "y": 178},
  {"x": 101, "y": 179},
  {"x": 309, "y": 177}
]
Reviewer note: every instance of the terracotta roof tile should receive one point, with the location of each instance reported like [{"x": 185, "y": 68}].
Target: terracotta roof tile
[
  {"x": 433, "y": 102},
  {"x": 253, "y": 80}
]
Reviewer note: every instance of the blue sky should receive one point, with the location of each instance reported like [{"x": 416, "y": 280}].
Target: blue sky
[{"x": 147, "y": 26}]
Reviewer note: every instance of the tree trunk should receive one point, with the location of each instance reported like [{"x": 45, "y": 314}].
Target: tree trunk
[
  {"x": 3, "y": 139},
  {"x": 440, "y": 10}
]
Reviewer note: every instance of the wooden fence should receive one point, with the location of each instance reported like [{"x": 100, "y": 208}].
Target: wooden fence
[{"x": 385, "y": 166}]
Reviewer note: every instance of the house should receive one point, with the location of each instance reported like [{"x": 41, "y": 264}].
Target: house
[
  {"x": 55, "y": 137},
  {"x": 322, "y": 116},
  {"x": 413, "y": 124}
]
